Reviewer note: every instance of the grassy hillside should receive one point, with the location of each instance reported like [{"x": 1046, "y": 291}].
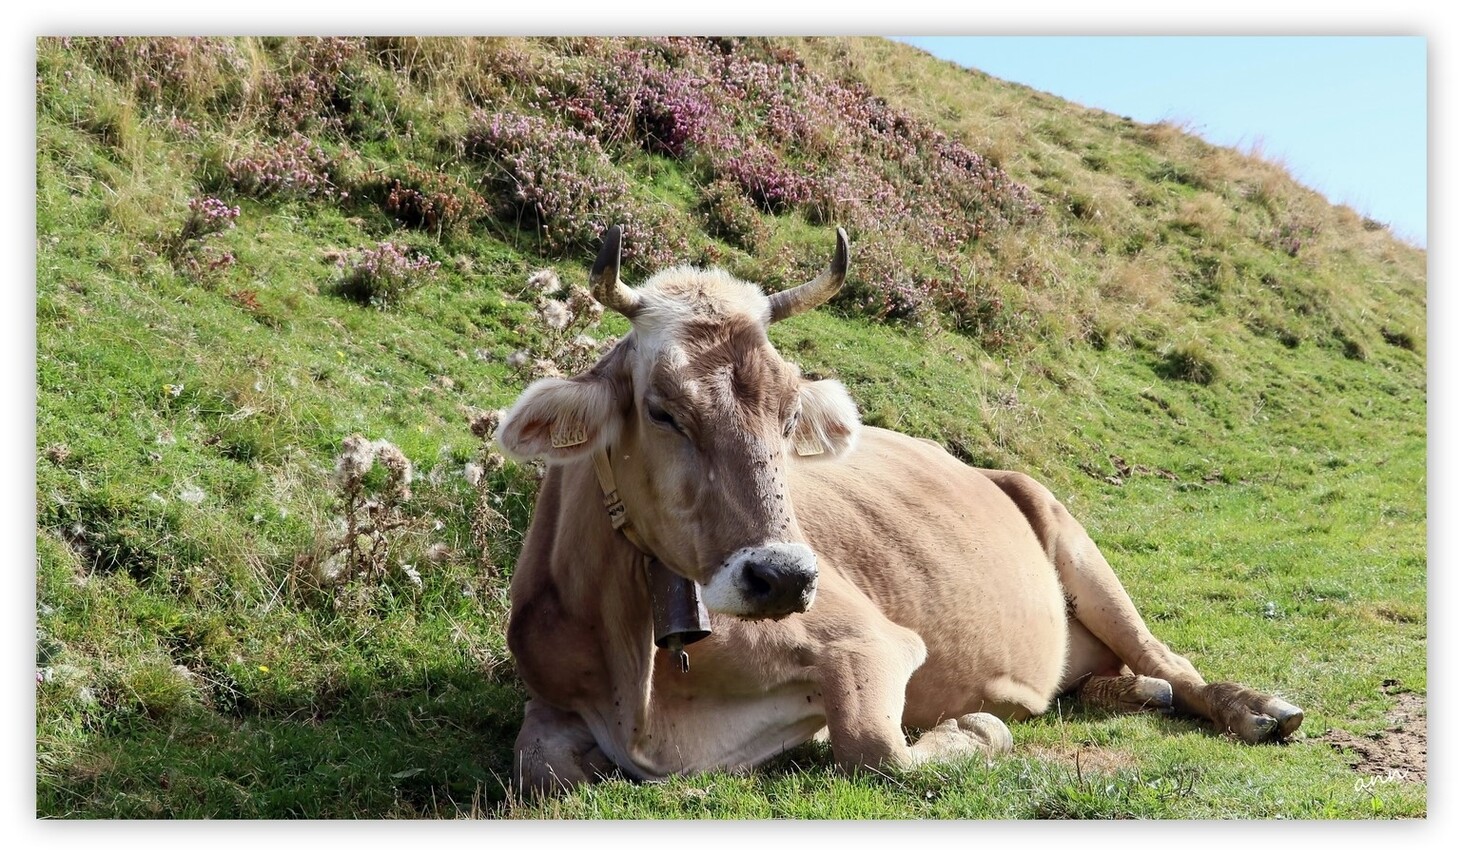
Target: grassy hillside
[{"x": 281, "y": 281}]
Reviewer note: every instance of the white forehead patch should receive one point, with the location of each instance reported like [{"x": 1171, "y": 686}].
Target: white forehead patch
[{"x": 676, "y": 295}]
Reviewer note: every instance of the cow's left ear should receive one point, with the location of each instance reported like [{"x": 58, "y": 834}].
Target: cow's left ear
[
  {"x": 829, "y": 425},
  {"x": 559, "y": 420}
]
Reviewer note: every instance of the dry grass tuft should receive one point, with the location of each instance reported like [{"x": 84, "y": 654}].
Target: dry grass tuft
[
  {"x": 1205, "y": 217},
  {"x": 1142, "y": 283}
]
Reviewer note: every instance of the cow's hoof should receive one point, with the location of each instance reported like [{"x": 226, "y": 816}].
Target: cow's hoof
[
  {"x": 1286, "y": 715},
  {"x": 1127, "y": 693},
  {"x": 1157, "y": 693},
  {"x": 990, "y": 730},
  {"x": 1251, "y": 716},
  {"x": 972, "y": 734}
]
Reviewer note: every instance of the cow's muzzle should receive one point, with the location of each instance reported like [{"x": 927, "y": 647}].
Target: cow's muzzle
[{"x": 772, "y": 581}]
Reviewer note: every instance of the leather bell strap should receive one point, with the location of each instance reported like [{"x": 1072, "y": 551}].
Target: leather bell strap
[{"x": 680, "y": 617}]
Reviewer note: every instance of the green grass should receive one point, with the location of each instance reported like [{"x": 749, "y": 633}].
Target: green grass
[{"x": 1242, "y": 431}]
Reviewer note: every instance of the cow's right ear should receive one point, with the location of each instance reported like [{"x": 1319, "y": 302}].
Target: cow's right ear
[{"x": 561, "y": 419}]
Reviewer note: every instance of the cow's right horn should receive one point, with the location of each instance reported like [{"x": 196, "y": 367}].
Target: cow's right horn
[
  {"x": 787, "y": 303},
  {"x": 604, "y": 277}
]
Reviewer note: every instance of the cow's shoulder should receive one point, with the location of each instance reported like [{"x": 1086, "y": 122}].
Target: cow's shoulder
[
  {"x": 553, "y": 629},
  {"x": 554, "y": 654}
]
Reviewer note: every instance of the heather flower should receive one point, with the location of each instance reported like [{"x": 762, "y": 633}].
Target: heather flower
[
  {"x": 207, "y": 215},
  {"x": 765, "y": 180},
  {"x": 164, "y": 69},
  {"x": 294, "y": 167},
  {"x": 562, "y": 183},
  {"x": 381, "y": 274},
  {"x": 772, "y": 136},
  {"x": 425, "y": 199},
  {"x": 776, "y": 137},
  {"x": 304, "y": 94},
  {"x": 182, "y": 127}
]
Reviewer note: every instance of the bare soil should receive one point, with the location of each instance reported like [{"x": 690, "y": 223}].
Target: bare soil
[
  {"x": 1084, "y": 758},
  {"x": 1396, "y": 753}
]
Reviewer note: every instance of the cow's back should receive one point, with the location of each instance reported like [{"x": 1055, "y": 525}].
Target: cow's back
[{"x": 943, "y": 551}]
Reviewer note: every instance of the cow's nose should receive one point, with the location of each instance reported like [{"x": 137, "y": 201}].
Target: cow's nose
[
  {"x": 769, "y": 581},
  {"x": 775, "y": 588}
]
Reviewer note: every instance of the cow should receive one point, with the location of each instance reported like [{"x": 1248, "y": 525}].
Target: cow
[{"x": 838, "y": 581}]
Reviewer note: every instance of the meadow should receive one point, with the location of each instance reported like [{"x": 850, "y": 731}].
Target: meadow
[{"x": 282, "y": 285}]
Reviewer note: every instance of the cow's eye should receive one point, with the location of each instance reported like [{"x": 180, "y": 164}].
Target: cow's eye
[{"x": 661, "y": 417}]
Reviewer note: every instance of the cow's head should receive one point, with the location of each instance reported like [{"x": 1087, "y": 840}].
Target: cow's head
[{"x": 700, "y": 416}]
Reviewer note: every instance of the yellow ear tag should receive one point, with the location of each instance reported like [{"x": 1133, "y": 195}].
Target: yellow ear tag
[
  {"x": 808, "y": 444},
  {"x": 566, "y": 435}
]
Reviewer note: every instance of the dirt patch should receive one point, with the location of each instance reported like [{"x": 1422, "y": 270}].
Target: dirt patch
[
  {"x": 1399, "y": 752},
  {"x": 1087, "y": 759}
]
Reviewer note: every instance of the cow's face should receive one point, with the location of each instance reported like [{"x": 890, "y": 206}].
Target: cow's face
[{"x": 700, "y": 417}]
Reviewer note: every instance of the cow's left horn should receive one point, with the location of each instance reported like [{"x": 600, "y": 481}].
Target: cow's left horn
[
  {"x": 787, "y": 303},
  {"x": 604, "y": 277}
]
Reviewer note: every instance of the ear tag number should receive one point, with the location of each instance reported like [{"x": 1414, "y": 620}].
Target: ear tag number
[
  {"x": 564, "y": 436},
  {"x": 808, "y": 445}
]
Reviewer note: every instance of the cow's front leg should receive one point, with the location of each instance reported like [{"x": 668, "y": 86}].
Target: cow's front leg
[
  {"x": 974, "y": 733},
  {"x": 863, "y": 684},
  {"x": 555, "y": 751}
]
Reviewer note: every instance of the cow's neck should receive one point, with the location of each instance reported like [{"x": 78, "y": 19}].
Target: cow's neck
[
  {"x": 601, "y": 582},
  {"x": 679, "y": 617},
  {"x": 600, "y": 606}
]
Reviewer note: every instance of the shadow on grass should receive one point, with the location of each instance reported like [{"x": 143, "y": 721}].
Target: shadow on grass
[{"x": 439, "y": 745}]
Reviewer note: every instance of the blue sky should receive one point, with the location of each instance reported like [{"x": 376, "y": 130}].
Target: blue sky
[{"x": 1346, "y": 114}]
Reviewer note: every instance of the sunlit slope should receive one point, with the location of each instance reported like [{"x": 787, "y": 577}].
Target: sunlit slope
[{"x": 251, "y": 249}]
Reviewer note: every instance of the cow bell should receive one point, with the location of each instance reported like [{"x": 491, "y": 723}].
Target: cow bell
[{"x": 680, "y": 617}]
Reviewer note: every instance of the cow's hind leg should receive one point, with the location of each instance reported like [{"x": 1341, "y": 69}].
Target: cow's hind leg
[
  {"x": 1098, "y": 677},
  {"x": 554, "y": 752},
  {"x": 1127, "y": 693},
  {"x": 1101, "y": 604}
]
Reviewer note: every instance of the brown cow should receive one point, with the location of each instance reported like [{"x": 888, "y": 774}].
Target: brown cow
[{"x": 907, "y": 588}]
